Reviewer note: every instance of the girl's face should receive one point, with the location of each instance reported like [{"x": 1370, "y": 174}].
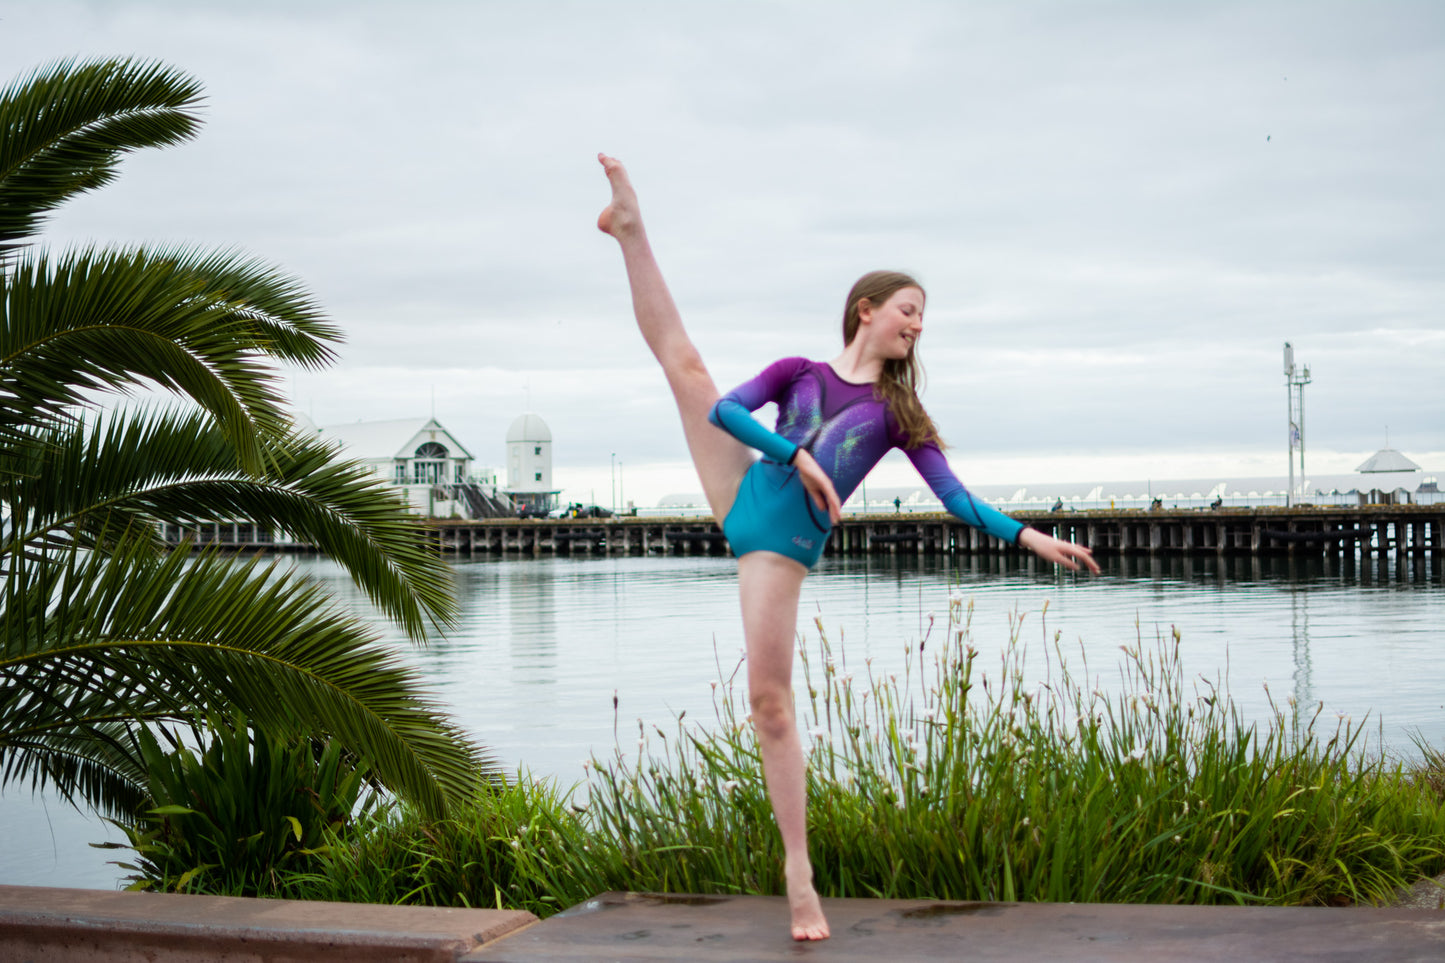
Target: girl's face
[{"x": 894, "y": 327}]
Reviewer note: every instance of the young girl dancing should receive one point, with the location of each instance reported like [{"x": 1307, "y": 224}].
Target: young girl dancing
[{"x": 835, "y": 421}]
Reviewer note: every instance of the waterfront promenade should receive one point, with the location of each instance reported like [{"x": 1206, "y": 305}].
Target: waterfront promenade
[{"x": 46, "y": 925}]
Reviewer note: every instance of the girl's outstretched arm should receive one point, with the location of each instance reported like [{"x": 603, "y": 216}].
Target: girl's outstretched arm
[{"x": 931, "y": 464}]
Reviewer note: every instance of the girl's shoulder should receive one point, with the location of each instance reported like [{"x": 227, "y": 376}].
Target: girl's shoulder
[{"x": 792, "y": 366}]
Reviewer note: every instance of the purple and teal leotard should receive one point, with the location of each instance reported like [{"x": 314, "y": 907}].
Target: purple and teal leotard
[{"x": 847, "y": 430}]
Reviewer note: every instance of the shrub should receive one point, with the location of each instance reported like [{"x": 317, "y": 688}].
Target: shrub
[{"x": 245, "y": 810}]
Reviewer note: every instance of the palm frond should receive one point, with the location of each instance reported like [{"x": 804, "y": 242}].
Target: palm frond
[
  {"x": 202, "y": 325},
  {"x": 133, "y": 636},
  {"x": 129, "y": 470},
  {"x": 65, "y": 126},
  {"x": 97, "y": 764}
]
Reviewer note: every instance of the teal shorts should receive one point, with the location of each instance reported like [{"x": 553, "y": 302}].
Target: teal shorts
[{"x": 773, "y": 513}]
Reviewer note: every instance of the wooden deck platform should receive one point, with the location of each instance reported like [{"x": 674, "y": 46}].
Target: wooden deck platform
[
  {"x": 643, "y": 927},
  {"x": 41, "y": 925}
]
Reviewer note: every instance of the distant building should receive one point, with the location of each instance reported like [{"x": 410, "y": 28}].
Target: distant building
[
  {"x": 426, "y": 463},
  {"x": 414, "y": 455},
  {"x": 1391, "y": 478},
  {"x": 429, "y": 467},
  {"x": 529, "y": 465}
]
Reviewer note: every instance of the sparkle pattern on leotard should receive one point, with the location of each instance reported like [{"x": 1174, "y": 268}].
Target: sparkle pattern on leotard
[{"x": 847, "y": 430}]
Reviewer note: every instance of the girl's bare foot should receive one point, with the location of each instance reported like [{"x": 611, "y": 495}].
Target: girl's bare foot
[
  {"x": 807, "y": 910},
  {"x": 622, "y": 217}
]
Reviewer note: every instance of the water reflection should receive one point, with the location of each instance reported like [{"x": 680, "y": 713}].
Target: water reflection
[
  {"x": 1300, "y": 632},
  {"x": 532, "y": 626}
]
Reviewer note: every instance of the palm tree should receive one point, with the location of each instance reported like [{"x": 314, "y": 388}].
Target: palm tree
[{"x": 102, "y": 631}]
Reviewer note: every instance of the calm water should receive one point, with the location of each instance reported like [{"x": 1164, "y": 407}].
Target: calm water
[{"x": 545, "y": 644}]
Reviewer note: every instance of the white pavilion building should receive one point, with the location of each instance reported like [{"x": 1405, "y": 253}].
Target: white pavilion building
[{"x": 419, "y": 457}]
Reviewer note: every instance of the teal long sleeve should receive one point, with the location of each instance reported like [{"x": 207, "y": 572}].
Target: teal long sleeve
[{"x": 735, "y": 419}]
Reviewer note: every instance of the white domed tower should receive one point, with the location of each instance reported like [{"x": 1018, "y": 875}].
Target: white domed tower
[{"x": 529, "y": 464}]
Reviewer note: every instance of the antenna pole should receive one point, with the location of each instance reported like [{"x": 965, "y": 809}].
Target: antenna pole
[
  {"x": 1289, "y": 401},
  {"x": 1294, "y": 383}
]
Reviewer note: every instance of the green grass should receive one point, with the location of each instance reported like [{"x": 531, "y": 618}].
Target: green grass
[{"x": 943, "y": 782}]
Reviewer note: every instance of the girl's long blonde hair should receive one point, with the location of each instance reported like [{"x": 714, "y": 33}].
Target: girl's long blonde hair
[{"x": 902, "y": 378}]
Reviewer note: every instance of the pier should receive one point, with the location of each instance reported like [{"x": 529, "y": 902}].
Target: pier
[
  {"x": 1365, "y": 532},
  {"x": 1404, "y": 531}
]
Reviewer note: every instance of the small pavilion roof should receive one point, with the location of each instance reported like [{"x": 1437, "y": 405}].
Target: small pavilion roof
[{"x": 1387, "y": 459}]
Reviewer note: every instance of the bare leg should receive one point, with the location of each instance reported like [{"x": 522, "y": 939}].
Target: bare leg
[
  {"x": 769, "y": 585},
  {"x": 721, "y": 460}
]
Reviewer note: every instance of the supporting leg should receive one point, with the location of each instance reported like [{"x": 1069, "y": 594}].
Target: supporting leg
[{"x": 769, "y": 585}]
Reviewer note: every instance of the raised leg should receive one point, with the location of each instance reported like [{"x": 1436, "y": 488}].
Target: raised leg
[
  {"x": 769, "y": 585},
  {"x": 720, "y": 459}
]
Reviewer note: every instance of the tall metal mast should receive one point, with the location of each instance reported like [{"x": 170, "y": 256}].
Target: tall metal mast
[{"x": 1294, "y": 388}]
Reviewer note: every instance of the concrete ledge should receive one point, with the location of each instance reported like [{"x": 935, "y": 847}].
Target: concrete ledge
[{"x": 40, "y": 925}]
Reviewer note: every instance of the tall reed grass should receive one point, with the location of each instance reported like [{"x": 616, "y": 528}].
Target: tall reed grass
[{"x": 944, "y": 781}]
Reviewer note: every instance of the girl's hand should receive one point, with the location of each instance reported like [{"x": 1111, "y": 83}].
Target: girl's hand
[
  {"x": 818, "y": 485},
  {"x": 1052, "y": 549}
]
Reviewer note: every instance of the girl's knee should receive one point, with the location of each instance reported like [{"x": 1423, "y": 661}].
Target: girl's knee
[
  {"x": 772, "y": 711},
  {"x": 683, "y": 361}
]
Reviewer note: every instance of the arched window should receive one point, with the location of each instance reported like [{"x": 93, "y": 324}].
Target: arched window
[{"x": 428, "y": 466}]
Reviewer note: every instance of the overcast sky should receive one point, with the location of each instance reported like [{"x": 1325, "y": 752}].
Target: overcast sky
[{"x": 1121, "y": 211}]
